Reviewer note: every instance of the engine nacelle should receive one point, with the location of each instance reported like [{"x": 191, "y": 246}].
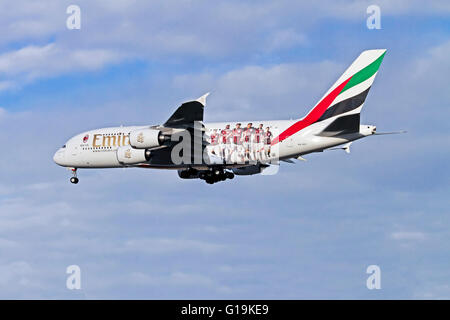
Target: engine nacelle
[
  {"x": 247, "y": 171},
  {"x": 146, "y": 138},
  {"x": 129, "y": 155}
]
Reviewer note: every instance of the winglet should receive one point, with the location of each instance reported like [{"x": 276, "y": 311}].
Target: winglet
[{"x": 202, "y": 99}]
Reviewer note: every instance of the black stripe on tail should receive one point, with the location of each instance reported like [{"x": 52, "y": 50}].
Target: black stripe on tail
[
  {"x": 345, "y": 105},
  {"x": 342, "y": 125}
]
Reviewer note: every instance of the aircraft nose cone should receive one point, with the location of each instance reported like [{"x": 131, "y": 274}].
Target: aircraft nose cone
[{"x": 58, "y": 157}]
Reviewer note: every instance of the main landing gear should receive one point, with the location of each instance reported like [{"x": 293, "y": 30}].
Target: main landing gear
[
  {"x": 216, "y": 175},
  {"x": 74, "y": 179}
]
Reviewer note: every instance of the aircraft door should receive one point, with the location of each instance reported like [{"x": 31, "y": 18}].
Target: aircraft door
[
  {"x": 74, "y": 155},
  {"x": 74, "y": 151},
  {"x": 290, "y": 142}
]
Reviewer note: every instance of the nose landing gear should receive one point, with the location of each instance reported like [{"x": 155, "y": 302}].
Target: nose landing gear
[{"x": 74, "y": 179}]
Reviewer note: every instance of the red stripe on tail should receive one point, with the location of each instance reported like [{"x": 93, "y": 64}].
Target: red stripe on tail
[{"x": 313, "y": 116}]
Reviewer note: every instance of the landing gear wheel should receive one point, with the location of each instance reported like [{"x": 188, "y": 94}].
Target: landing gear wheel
[
  {"x": 74, "y": 178},
  {"x": 229, "y": 175},
  {"x": 215, "y": 175}
]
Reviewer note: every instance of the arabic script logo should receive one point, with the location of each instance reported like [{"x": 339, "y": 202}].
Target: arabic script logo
[
  {"x": 86, "y": 138},
  {"x": 128, "y": 154},
  {"x": 140, "y": 138}
]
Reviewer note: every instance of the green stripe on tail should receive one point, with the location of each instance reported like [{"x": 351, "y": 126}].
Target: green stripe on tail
[{"x": 365, "y": 73}]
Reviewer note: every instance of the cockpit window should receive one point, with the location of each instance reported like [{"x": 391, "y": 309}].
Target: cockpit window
[{"x": 63, "y": 146}]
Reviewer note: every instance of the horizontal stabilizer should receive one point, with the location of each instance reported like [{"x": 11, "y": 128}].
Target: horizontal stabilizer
[{"x": 345, "y": 147}]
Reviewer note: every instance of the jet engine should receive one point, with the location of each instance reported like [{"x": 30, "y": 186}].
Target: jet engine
[
  {"x": 146, "y": 138},
  {"x": 128, "y": 155}
]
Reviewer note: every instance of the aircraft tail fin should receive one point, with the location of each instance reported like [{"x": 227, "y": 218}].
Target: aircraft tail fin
[
  {"x": 348, "y": 94},
  {"x": 345, "y": 98}
]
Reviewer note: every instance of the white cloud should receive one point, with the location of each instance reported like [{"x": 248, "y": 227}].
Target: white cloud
[
  {"x": 30, "y": 20},
  {"x": 161, "y": 30},
  {"x": 432, "y": 290},
  {"x": 5, "y": 243},
  {"x": 40, "y": 186},
  {"x": 32, "y": 62},
  {"x": 4, "y": 189},
  {"x": 405, "y": 235},
  {"x": 15, "y": 273},
  {"x": 286, "y": 38},
  {"x": 7, "y": 85},
  {"x": 182, "y": 278},
  {"x": 291, "y": 88},
  {"x": 175, "y": 279},
  {"x": 417, "y": 87},
  {"x": 167, "y": 245},
  {"x": 433, "y": 65}
]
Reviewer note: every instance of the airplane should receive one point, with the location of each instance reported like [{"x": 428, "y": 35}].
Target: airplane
[{"x": 218, "y": 151}]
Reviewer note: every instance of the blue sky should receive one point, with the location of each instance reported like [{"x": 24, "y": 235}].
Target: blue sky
[{"x": 308, "y": 232}]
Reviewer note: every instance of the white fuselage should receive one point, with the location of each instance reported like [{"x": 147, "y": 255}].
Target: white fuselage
[{"x": 98, "y": 148}]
